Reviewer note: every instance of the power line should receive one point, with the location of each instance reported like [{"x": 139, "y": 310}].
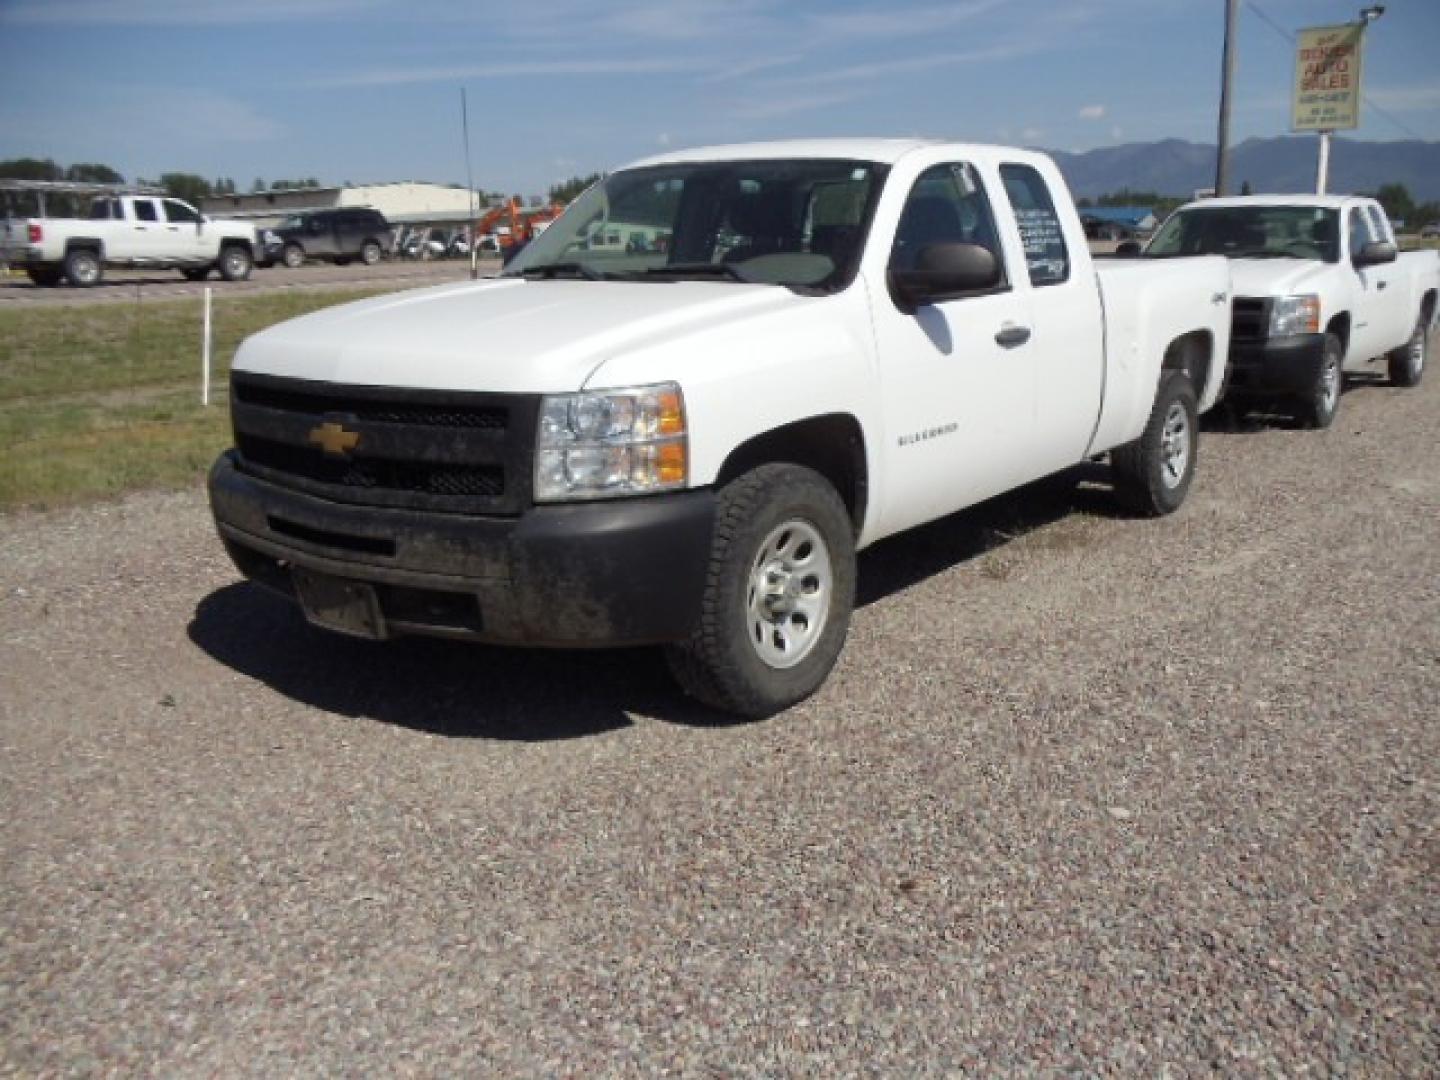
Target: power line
[{"x": 1289, "y": 36}]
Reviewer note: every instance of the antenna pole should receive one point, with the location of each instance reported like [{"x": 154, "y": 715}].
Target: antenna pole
[{"x": 470, "y": 184}]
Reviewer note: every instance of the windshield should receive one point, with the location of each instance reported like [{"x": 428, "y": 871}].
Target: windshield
[
  {"x": 1251, "y": 232},
  {"x": 795, "y": 223}
]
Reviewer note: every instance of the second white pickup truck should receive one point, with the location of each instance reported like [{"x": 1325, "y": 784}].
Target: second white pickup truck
[
  {"x": 136, "y": 231},
  {"x": 1321, "y": 291},
  {"x": 802, "y": 348}
]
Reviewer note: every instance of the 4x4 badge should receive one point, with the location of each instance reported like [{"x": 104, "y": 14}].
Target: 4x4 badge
[{"x": 334, "y": 439}]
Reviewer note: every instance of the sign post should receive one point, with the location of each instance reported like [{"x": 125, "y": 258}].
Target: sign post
[{"x": 1326, "y": 95}]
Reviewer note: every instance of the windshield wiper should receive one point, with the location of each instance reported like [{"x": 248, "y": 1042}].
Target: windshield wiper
[
  {"x": 699, "y": 270},
  {"x": 560, "y": 269}
]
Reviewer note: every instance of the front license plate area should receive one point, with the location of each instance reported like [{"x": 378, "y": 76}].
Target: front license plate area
[{"x": 349, "y": 607}]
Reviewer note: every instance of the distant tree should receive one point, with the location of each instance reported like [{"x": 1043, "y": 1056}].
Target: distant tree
[
  {"x": 93, "y": 173},
  {"x": 31, "y": 169},
  {"x": 565, "y": 193},
  {"x": 1396, "y": 200},
  {"x": 1245, "y": 187},
  {"x": 185, "y": 186}
]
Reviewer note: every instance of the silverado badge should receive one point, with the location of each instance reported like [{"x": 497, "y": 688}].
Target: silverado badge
[{"x": 334, "y": 439}]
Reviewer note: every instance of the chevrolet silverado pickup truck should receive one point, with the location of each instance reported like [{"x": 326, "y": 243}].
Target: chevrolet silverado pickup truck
[
  {"x": 145, "y": 231},
  {"x": 1321, "y": 292},
  {"x": 801, "y": 349}
]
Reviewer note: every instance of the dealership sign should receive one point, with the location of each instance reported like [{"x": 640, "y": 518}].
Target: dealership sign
[{"x": 1327, "y": 78}]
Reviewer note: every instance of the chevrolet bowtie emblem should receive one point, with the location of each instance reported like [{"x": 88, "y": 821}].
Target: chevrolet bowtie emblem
[{"x": 334, "y": 439}]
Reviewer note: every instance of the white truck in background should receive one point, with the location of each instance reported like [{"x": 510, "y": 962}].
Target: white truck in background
[
  {"x": 121, "y": 228},
  {"x": 684, "y": 442},
  {"x": 1321, "y": 291}
]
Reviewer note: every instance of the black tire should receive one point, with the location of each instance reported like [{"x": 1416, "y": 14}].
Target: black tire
[
  {"x": 370, "y": 253},
  {"x": 47, "y": 276},
  {"x": 781, "y": 532},
  {"x": 293, "y": 256},
  {"x": 83, "y": 267},
  {"x": 1407, "y": 363},
  {"x": 236, "y": 262},
  {"x": 1319, "y": 404},
  {"x": 1153, "y": 473},
  {"x": 199, "y": 273}
]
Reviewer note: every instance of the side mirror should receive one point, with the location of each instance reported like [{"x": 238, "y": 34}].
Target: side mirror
[
  {"x": 1374, "y": 253},
  {"x": 944, "y": 272},
  {"x": 1128, "y": 249}
]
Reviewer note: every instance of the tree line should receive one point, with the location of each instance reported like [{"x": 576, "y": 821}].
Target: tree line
[{"x": 1395, "y": 198}]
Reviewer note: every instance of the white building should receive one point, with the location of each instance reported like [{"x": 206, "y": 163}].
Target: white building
[{"x": 404, "y": 202}]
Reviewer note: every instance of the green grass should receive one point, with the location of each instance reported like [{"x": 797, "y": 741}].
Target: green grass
[{"x": 103, "y": 399}]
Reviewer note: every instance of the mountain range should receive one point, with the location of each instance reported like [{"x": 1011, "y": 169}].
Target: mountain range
[{"x": 1177, "y": 168}]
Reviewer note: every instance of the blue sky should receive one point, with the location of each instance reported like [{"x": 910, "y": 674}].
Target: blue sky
[{"x": 368, "y": 90}]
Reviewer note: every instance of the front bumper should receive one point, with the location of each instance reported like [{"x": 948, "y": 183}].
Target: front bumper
[
  {"x": 615, "y": 572},
  {"x": 1275, "y": 367}
]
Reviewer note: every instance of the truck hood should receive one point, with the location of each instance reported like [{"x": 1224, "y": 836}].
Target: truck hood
[
  {"x": 1277, "y": 277},
  {"x": 508, "y": 336}
]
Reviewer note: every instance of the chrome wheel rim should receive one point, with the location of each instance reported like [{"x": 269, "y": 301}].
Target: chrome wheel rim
[
  {"x": 787, "y": 604},
  {"x": 293, "y": 258},
  {"x": 1175, "y": 445},
  {"x": 1330, "y": 382},
  {"x": 234, "y": 264},
  {"x": 87, "y": 270}
]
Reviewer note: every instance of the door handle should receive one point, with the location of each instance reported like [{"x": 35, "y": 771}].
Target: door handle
[{"x": 1011, "y": 336}]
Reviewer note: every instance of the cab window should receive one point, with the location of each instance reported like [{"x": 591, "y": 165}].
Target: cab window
[
  {"x": 947, "y": 205},
  {"x": 144, "y": 210},
  {"x": 1046, "y": 257}
]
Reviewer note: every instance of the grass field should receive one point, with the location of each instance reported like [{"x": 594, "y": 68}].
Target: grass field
[{"x": 99, "y": 400}]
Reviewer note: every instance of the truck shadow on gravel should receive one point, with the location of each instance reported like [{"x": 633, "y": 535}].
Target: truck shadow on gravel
[{"x": 465, "y": 690}]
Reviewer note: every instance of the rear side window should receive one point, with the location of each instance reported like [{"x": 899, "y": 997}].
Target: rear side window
[
  {"x": 178, "y": 211},
  {"x": 1046, "y": 256},
  {"x": 144, "y": 210}
]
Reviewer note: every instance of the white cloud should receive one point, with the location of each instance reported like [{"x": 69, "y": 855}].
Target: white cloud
[
  {"x": 1091, "y": 112},
  {"x": 518, "y": 69}
]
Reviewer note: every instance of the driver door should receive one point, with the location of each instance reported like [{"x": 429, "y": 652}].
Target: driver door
[{"x": 957, "y": 376}]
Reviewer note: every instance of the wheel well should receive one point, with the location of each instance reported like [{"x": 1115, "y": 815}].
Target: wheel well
[
  {"x": 85, "y": 244},
  {"x": 832, "y": 445},
  {"x": 1192, "y": 353},
  {"x": 1340, "y": 327}
]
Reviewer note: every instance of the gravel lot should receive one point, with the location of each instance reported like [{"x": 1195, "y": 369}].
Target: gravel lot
[
  {"x": 122, "y": 286},
  {"x": 1085, "y": 793}
]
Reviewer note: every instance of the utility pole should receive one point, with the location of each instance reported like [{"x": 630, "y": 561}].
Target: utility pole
[{"x": 1227, "y": 78}]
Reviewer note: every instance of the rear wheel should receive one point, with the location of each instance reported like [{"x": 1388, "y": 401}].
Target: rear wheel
[
  {"x": 370, "y": 253},
  {"x": 778, "y": 595},
  {"x": 83, "y": 268},
  {"x": 1153, "y": 473},
  {"x": 1319, "y": 404},
  {"x": 293, "y": 256},
  {"x": 1407, "y": 363},
  {"x": 236, "y": 263}
]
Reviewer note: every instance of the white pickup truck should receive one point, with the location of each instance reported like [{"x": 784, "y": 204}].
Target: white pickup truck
[
  {"x": 1321, "y": 291},
  {"x": 806, "y": 347},
  {"x": 139, "y": 231}
]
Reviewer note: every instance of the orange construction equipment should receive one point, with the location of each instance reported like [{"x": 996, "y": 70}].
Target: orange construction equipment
[{"x": 511, "y": 223}]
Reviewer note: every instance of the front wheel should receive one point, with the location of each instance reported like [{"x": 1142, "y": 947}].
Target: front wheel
[
  {"x": 1153, "y": 473},
  {"x": 1407, "y": 363},
  {"x": 293, "y": 256},
  {"x": 778, "y": 595},
  {"x": 1321, "y": 401},
  {"x": 370, "y": 253}
]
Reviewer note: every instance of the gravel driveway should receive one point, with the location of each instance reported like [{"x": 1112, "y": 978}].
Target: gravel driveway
[{"x": 1085, "y": 793}]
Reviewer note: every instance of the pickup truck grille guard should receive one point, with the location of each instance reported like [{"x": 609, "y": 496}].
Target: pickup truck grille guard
[
  {"x": 433, "y": 450},
  {"x": 1250, "y": 320}
]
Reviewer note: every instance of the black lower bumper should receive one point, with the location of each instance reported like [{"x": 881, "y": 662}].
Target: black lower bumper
[
  {"x": 618, "y": 572},
  {"x": 1275, "y": 368}
]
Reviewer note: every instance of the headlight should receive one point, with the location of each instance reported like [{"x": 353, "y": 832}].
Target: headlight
[
  {"x": 1290, "y": 315},
  {"x": 596, "y": 445}
]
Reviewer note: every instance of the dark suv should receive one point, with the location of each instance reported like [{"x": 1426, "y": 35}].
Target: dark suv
[{"x": 333, "y": 235}]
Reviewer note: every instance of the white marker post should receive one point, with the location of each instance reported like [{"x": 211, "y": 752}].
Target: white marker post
[{"x": 205, "y": 354}]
